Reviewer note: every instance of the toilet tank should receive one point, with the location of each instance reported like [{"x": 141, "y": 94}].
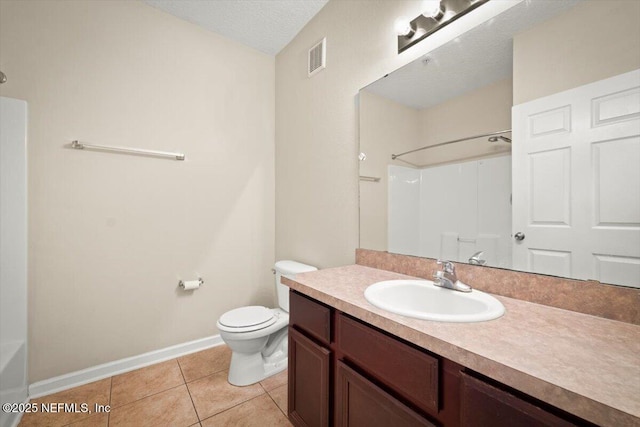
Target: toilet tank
[{"x": 290, "y": 269}]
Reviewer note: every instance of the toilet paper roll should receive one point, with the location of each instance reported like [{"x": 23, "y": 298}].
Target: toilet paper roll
[{"x": 190, "y": 284}]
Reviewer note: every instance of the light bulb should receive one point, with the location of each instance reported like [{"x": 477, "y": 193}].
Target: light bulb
[
  {"x": 403, "y": 26},
  {"x": 432, "y": 9}
]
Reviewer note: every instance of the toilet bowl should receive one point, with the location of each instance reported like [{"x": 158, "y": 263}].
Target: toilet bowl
[{"x": 257, "y": 335}]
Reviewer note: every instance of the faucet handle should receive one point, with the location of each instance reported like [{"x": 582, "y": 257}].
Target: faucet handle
[{"x": 447, "y": 266}]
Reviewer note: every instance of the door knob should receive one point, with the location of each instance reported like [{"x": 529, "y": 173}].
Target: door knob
[{"x": 519, "y": 236}]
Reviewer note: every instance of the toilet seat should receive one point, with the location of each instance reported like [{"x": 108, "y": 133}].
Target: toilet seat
[{"x": 246, "y": 319}]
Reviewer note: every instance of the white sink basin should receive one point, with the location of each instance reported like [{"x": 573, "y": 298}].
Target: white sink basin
[{"x": 423, "y": 300}]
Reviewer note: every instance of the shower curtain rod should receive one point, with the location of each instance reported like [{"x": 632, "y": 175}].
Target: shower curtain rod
[{"x": 395, "y": 156}]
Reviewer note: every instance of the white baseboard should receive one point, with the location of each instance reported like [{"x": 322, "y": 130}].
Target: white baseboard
[{"x": 106, "y": 370}]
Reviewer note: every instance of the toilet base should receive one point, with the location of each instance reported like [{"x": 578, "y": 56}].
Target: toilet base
[
  {"x": 259, "y": 354},
  {"x": 246, "y": 369}
]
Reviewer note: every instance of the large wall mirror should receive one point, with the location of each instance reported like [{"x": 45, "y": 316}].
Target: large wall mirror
[{"x": 517, "y": 145}]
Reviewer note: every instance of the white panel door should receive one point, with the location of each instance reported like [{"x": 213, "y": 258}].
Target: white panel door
[{"x": 576, "y": 182}]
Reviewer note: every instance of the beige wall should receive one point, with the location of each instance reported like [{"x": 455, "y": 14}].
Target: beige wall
[
  {"x": 483, "y": 110},
  {"x": 592, "y": 41},
  {"x": 111, "y": 234},
  {"x": 317, "y": 120},
  {"x": 386, "y": 127}
]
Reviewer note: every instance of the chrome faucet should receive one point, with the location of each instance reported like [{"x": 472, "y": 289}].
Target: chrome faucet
[
  {"x": 447, "y": 278},
  {"x": 476, "y": 259}
]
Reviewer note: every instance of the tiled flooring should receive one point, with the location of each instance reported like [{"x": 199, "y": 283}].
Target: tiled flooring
[{"x": 188, "y": 391}]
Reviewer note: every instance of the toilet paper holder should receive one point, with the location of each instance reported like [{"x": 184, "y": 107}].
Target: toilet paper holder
[{"x": 181, "y": 283}]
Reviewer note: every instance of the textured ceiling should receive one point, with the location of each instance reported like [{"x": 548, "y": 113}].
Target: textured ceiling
[
  {"x": 265, "y": 25},
  {"x": 476, "y": 59}
]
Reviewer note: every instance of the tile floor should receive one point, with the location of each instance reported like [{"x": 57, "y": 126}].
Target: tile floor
[{"x": 188, "y": 391}]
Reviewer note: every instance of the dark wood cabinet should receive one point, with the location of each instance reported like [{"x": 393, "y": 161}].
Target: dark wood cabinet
[
  {"x": 409, "y": 372},
  {"x": 347, "y": 373},
  {"x": 360, "y": 403},
  {"x": 311, "y": 317},
  {"x": 344, "y": 372},
  {"x": 484, "y": 404},
  {"x": 309, "y": 370}
]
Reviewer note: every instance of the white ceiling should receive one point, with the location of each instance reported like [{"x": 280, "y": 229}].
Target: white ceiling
[
  {"x": 476, "y": 59},
  {"x": 265, "y": 25}
]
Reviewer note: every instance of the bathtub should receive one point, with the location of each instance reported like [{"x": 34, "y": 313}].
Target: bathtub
[
  {"x": 13, "y": 379},
  {"x": 13, "y": 256}
]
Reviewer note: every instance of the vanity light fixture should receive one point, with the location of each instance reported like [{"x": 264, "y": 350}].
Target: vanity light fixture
[
  {"x": 435, "y": 15},
  {"x": 433, "y": 9},
  {"x": 403, "y": 27}
]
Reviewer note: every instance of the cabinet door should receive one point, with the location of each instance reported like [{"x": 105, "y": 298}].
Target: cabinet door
[
  {"x": 483, "y": 405},
  {"x": 360, "y": 403},
  {"x": 410, "y": 373},
  {"x": 309, "y": 368}
]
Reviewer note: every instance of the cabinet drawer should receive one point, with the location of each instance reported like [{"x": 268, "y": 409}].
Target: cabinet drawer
[
  {"x": 360, "y": 403},
  {"x": 310, "y": 316},
  {"x": 482, "y": 404},
  {"x": 411, "y": 373}
]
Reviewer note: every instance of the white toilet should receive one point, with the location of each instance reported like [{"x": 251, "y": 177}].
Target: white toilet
[{"x": 258, "y": 335}]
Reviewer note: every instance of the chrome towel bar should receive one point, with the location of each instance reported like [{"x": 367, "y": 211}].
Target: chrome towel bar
[{"x": 81, "y": 145}]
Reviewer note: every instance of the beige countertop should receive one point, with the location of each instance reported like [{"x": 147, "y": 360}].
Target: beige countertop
[{"x": 586, "y": 365}]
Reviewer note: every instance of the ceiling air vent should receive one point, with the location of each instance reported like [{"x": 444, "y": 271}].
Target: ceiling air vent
[{"x": 317, "y": 57}]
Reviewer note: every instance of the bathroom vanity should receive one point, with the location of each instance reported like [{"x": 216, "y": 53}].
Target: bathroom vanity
[{"x": 351, "y": 363}]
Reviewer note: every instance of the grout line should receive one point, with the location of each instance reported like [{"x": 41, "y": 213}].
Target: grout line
[
  {"x": 153, "y": 394},
  {"x": 237, "y": 404},
  {"x": 276, "y": 403},
  {"x": 142, "y": 398},
  {"x": 205, "y": 376},
  {"x": 110, "y": 392},
  {"x": 189, "y": 391},
  {"x": 181, "y": 373},
  {"x": 281, "y": 410},
  {"x": 88, "y": 414}
]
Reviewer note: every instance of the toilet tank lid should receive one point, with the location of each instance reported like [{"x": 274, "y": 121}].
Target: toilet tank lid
[{"x": 293, "y": 267}]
